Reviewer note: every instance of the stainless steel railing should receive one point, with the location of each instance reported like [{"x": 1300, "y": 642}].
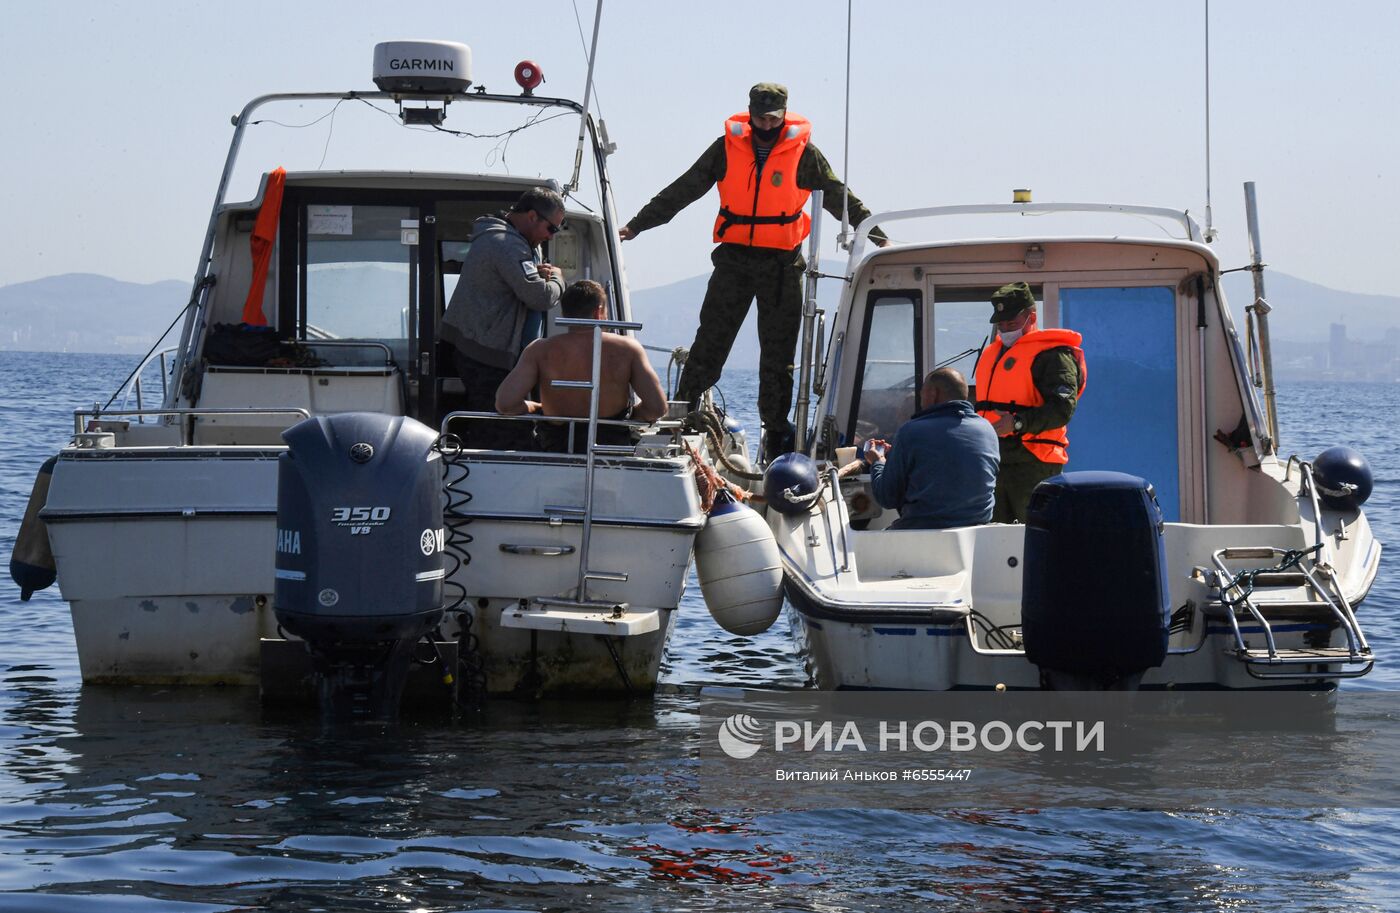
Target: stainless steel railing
[{"x": 81, "y": 417}]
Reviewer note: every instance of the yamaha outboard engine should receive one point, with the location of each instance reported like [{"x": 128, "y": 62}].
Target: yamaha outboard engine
[
  {"x": 359, "y": 553},
  {"x": 1094, "y": 601}
]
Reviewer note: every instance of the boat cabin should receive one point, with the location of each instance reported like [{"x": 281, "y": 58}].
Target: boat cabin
[
  {"x": 363, "y": 268},
  {"x": 1167, "y": 394}
]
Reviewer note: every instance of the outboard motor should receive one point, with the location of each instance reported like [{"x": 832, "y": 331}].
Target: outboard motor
[
  {"x": 1094, "y": 601},
  {"x": 359, "y": 553}
]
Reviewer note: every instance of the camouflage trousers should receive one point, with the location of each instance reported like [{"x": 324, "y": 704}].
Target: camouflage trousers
[
  {"x": 742, "y": 274},
  {"x": 1016, "y": 479}
]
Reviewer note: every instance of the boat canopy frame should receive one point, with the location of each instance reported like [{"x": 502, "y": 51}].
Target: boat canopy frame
[
  {"x": 1262, "y": 444},
  {"x": 1181, "y": 217},
  {"x": 194, "y": 323}
]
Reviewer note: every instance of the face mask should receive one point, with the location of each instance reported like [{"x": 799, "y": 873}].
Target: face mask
[
  {"x": 1009, "y": 337},
  {"x": 767, "y": 136}
]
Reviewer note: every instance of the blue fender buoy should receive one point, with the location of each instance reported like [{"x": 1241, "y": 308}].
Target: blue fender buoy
[
  {"x": 1343, "y": 478},
  {"x": 791, "y": 484}
]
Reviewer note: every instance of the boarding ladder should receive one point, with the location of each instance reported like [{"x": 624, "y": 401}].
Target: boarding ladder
[
  {"x": 580, "y": 613},
  {"x": 1299, "y": 586}
]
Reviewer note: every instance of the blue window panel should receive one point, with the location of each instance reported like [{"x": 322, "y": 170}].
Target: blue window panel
[{"x": 1127, "y": 420}]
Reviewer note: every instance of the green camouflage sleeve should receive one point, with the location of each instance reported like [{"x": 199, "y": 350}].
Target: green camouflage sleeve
[
  {"x": 1056, "y": 375},
  {"x": 684, "y": 190},
  {"x": 814, "y": 172}
]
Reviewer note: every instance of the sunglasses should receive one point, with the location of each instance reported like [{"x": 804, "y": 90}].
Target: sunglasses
[{"x": 553, "y": 229}]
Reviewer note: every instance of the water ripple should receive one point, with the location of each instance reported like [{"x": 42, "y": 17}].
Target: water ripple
[{"x": 191, "y": 801}]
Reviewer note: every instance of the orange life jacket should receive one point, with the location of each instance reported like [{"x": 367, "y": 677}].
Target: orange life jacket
[
  {"x": 1004, "y": 384},
  {"x": 263, "y": 238},
  {"x": 763, "y": 208}
]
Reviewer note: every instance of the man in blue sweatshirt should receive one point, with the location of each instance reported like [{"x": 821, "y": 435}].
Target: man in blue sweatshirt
[{"x": 942, "y": 470}]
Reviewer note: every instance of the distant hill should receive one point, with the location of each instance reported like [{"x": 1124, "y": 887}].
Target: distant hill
[
  {"x": 1303, "y": 310},
  {"x": 84, "y": 312}
]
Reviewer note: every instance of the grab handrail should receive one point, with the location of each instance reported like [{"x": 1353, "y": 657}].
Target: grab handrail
[
  {"x": 1319, "y": 538},
  {"x": 844, "y": 516},
  {"x": 1181, "y": 217},
  {"x": 81, "y": 415},
  {"x": 352, "y": 343},
  {"x": 540, "y": 417},
  {"x": 135, "y": 381}
]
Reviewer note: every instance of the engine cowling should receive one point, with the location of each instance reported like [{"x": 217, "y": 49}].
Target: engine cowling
[{"x": 360, "y": 540}]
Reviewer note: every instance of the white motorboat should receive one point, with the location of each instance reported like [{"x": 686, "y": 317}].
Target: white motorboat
[
  {"x": 561, "y": 573},
  {"x": 1264, "y": 558}
]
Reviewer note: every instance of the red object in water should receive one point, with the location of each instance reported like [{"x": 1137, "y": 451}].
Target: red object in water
[
  {"x": 264, "y": 237},
  {"x": 528, "y": 75}
]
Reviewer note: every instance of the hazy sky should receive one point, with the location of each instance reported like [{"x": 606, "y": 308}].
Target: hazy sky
[{"x": 117, "y": 114}]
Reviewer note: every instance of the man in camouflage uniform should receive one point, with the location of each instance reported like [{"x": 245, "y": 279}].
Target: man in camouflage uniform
[
  {"x": 759, "y": 235},
  {"x": 1028, "y": 385}
]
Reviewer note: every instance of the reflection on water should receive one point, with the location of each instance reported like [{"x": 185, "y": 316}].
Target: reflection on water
[
  {"x": 173, "y": 800},
  {"x": 193, "y": 797}
]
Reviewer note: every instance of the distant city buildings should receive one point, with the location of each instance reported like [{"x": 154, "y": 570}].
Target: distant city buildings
[{"x": 1343, "y": 358}]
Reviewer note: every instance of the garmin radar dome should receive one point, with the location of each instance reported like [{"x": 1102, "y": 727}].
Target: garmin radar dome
[{"x": 435, "y": 67}]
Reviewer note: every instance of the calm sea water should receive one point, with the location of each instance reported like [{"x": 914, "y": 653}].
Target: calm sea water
[{"x": 172, "y": 800}]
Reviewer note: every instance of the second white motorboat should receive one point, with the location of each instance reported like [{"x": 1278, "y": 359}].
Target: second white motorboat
[{"x": 1193, "y": 555}]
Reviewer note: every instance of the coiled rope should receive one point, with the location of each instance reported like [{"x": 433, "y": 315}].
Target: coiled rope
[{"x": 1243, "y": 581}]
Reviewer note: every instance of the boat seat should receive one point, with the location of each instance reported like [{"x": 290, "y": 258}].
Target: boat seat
[
  {"x": 907, "y": 554},
  {"x": 319, "y": 390}
]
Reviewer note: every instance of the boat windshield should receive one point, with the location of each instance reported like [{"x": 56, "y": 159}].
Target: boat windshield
[
  {"x": 359, "y": 274},
  {"x": 892, "y": 364}
]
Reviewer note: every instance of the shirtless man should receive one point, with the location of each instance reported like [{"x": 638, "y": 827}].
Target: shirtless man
[{"x": 569, "y": 356}]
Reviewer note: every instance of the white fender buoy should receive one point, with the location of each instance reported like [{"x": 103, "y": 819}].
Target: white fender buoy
[{"x": 740, "y": 570}]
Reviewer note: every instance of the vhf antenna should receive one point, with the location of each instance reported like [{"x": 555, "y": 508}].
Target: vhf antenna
[
  {"x": 843, "y": 240},
  {"x": 1210, "y": 221},
  {"x": 587, "y": 96}
]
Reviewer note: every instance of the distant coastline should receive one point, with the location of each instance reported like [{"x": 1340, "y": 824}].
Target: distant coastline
[{"x": 1319, "y": 333}]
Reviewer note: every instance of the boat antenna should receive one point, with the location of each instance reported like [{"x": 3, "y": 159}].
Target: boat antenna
[
  {"x": 1210, "y": 223},
  {"x": 843, "y": 240},
  {"x": 587, "y": 96}
]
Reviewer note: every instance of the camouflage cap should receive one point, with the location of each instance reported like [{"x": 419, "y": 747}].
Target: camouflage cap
[
  {"x": 767, "y": 98},
  {"x": 1010, "y": 300}
]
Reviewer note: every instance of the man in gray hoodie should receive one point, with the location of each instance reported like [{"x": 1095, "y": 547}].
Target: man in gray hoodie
[{"x": 503, "y": 282}]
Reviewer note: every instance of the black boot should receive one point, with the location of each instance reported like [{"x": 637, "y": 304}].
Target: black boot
[{"x": 778, "y": 440}]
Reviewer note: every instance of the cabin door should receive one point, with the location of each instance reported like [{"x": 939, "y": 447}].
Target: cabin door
[{"x": 1126, "y": 420}]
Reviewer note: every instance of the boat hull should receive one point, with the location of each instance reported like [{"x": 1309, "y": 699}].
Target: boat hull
[
  {"x": 895, "y": 654},
  {"x": 909, "y": 610},
  {"x": 166, "y": 556}
]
